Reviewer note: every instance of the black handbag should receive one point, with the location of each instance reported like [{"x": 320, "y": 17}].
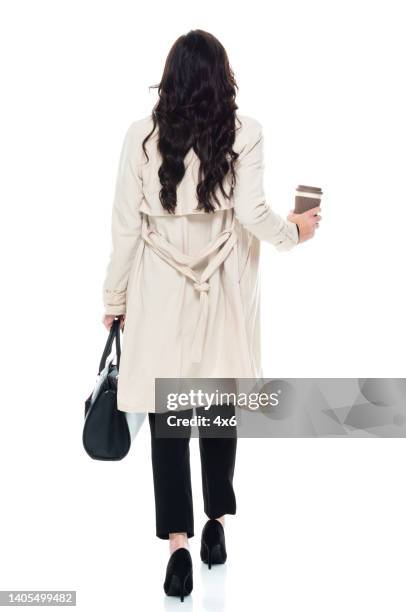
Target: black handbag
[{"x": 106, "y": 434}]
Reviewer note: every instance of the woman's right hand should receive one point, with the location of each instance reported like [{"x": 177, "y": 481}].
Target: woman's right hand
[
  {"x": 307, "y": 222},
  {"x": 108, "y": 320}
]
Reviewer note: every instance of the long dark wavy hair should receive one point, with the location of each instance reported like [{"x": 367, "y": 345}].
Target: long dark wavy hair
[{"x": 196, "y": 108}]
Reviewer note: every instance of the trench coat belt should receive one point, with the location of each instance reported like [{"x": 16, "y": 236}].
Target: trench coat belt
[{"x": 220, "y": 246}]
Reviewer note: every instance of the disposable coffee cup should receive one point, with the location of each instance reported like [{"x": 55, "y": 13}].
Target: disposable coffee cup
[{"x": 307, "y": 197}]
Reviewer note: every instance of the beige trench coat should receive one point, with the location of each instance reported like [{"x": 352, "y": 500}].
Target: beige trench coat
[{"x": 188, "y": 283}]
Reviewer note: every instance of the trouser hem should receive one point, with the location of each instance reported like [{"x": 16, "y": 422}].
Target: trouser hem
[
  {"x": 220, "y": 512},
  {"x": 164, "y": 535}
]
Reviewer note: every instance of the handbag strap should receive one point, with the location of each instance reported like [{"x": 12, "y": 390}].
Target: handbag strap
[
  {"x": 118, "y": 344},
  {"x": 114, "y": 334}
]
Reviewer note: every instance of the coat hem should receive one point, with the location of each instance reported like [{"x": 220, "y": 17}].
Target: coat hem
[{"x": 126, "y": 408}]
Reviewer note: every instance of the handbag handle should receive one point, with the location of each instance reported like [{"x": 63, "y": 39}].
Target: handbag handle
[{"x": 114, "y": 334}]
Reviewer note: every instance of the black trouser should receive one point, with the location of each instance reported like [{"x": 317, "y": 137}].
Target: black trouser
[{"x": 171, "y": 469}]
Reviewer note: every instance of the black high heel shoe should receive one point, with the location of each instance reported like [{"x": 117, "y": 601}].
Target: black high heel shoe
[
  {"x": 213, "y": 543},
  {"x": 179, "y": 574}
]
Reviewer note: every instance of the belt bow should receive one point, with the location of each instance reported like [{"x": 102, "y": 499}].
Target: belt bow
[{"x": 222, "y": 243}]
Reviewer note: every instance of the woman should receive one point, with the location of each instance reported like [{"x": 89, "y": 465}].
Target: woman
[{"x": 188, "y": 217}]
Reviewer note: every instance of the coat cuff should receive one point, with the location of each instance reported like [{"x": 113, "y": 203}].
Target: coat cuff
[
  {"x": 289, "y": 236},
  {"x": 114, "y": 302},
  {"x": 114, "y": 310}
]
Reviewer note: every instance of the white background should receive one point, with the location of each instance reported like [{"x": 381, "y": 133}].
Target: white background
[{"x": 320, "y": 523}]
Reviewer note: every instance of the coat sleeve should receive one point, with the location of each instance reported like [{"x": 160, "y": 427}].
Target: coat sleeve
[
  {"x": 125, "y": 225},
  {"x": 251, "y": 208}
]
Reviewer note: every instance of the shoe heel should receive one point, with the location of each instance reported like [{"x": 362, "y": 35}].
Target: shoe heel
[
  {"x": 179, "y": 574},
  {"x": 213, "y": 555},
  {"x": 186, "y": 587},
  {"x": 178, "y": 586},
  {"x": 213, "y": 546}
]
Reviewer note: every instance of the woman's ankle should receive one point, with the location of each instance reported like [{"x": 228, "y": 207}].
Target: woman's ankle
[{"x": 177, "y": 540}]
